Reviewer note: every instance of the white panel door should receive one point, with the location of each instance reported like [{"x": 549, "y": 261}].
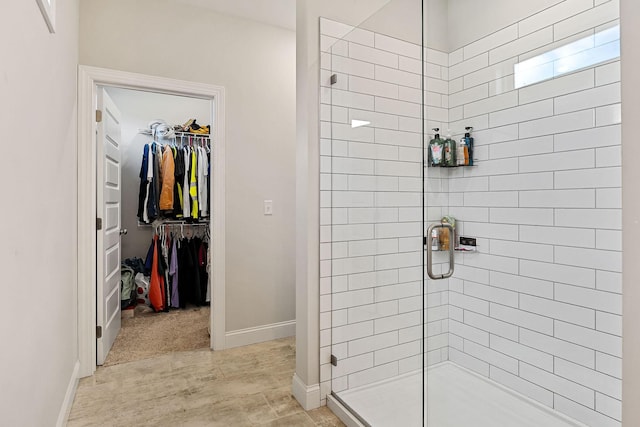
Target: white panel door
[{"x": 108, "y": 241}]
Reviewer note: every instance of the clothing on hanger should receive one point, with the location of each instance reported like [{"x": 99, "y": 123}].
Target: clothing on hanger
[
  {"x": 175, "y": 181},
  {"x": 193, "y": 184},
  {"x": 178, "y": 182},
  {"x": 186, "y": 198},
  {"x": 174, "y": 272},
  {"x": 168, "y": 180},
  {"x": 156, "y": 286},
  {"x": 203, "y": 182}
]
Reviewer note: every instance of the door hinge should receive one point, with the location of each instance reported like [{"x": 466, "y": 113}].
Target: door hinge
[
  {"x": 98, "y": 116},
  {"x": 98, "y": 331},
  {"x": 334, "y": 360},
  {"x": 334, "y": 79},
  {"x": 98, "y": 223}
]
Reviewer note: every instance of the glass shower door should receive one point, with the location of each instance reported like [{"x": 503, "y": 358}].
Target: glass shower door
[
  {"x": 527, "y": 330},
  {"x": 372, "y": 208}
]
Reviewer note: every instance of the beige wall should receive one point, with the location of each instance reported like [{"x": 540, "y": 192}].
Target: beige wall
[
  {"x": 256, "y": 65},
  {"x": 38, "y": 116},
  {"x": 629, "y": 18}
]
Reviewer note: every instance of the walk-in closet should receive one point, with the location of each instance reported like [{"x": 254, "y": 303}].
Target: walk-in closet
[{"x": 165, "y": 165}]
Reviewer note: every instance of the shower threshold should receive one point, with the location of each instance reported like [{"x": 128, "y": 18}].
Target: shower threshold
[{"x": 457, "y": 397}]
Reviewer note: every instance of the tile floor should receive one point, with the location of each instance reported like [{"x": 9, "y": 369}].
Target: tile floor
[{"x": 245, "y": 386}]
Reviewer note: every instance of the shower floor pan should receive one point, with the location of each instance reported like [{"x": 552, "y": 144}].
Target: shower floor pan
[{"x": 457, "y": 397}]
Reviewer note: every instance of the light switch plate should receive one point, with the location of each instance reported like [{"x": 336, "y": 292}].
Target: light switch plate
[{"x": 268, "y": 207}]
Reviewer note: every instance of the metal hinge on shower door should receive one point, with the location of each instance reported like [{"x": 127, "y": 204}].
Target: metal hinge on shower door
[
  {"x": 98, "y": 116},
  {"x": 334, "y": 360},
  {"x": 98, "y": 331},
  {"x": 334, "y": 79}
]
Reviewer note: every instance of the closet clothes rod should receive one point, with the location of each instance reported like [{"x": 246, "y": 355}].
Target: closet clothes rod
[
  {"x": 178, "y": 225},
  {"x": 201, "y": 222},
  {"x": 205, "y": 135},
  {"x": 185, "y": 229},
  {"x": 163, "y": 225},
  {"x": 183, "y": 222},
  {"x": 178, "y": 134},
  {"x": 192, "y": 135}
]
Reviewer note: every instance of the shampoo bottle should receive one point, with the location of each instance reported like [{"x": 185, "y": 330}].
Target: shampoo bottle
[
  {"x": 449, "y": 152},
  {"x": 469, "y": 143},
  {"x": 435, "y": 149},
  {"x": 462, "y": 155}
]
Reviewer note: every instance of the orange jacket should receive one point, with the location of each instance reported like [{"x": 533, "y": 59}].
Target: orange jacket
[
  {"x": 156, "y": 285},
  {"x": 168, "y": 179}
]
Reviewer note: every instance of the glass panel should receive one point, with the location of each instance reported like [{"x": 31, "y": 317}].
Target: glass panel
[
  {"x": 372, "y": 176},
  {"x": 524, "y": 313},
  {"x": 527, "y": 331},
  {"x": 436, "y": 101}
]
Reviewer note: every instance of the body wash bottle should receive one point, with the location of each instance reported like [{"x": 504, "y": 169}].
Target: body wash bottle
[
  {"x": 462, "y": 156},
  {"x": 435, "y": 149},
  {"x": 449, "y": 152},
  {"x": 469, "y": 143}
]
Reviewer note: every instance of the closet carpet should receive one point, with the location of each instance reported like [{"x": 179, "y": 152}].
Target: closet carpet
[
  {"x": 245, "y": 386},
  {"x": 150, "y": 334}
]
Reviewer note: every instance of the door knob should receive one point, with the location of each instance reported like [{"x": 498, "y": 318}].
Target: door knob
[{"x": 123, "y": 231}]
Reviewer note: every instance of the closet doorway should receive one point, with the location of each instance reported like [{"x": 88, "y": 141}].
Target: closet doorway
[{"x": 110, "y": 152}]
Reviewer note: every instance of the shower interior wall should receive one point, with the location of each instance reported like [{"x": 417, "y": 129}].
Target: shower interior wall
[
  {"x": 538, "y": 308},
  {"x": 371, "y": 208}
]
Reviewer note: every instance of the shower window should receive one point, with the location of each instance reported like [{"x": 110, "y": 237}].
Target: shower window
[{"x": 586, "y": 52}]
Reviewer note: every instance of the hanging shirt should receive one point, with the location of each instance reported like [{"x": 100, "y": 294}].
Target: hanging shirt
[
  {"x": 193, "y": 185},
  {"x": 178, "y": 181},
  {"x": 208, "y": 179},
  {"x": 148, "y": 263},
  {"x": 203, "y": 172},
  {"x": 154, "y": 198},
  {"x": 208, "y": 270},
  {"x": 186, "y": 200},
  {"x": 202, "y": 266},
  {"x": 156, "y": 285},
  {"x": 173, "y": 272},
  {"x": 149, "y": 178},
  {"x": 142, "y": 194},
  {"x": 168, "y": 178},
  {"x": 163, "y": 244}
]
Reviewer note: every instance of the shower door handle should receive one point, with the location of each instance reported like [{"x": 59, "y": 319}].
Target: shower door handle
[{"x": 452, "y": 252}]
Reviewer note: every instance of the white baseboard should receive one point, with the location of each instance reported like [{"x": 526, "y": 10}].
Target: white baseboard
[
  {"x": 343, "y": 413},
  {"x": 307, "y": 396},
  {"x": 259, "y": 334},
  {"x": 67, "y": 403}
]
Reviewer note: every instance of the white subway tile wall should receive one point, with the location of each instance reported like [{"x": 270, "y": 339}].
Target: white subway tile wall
[
  {"x": 538, "y": 308},
  {"x": 563, "y": 200}
]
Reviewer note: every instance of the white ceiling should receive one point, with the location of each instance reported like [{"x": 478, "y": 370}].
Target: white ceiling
[
  {"x": 141, "y": 107},
  {"x": 281, "y": 13}
]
